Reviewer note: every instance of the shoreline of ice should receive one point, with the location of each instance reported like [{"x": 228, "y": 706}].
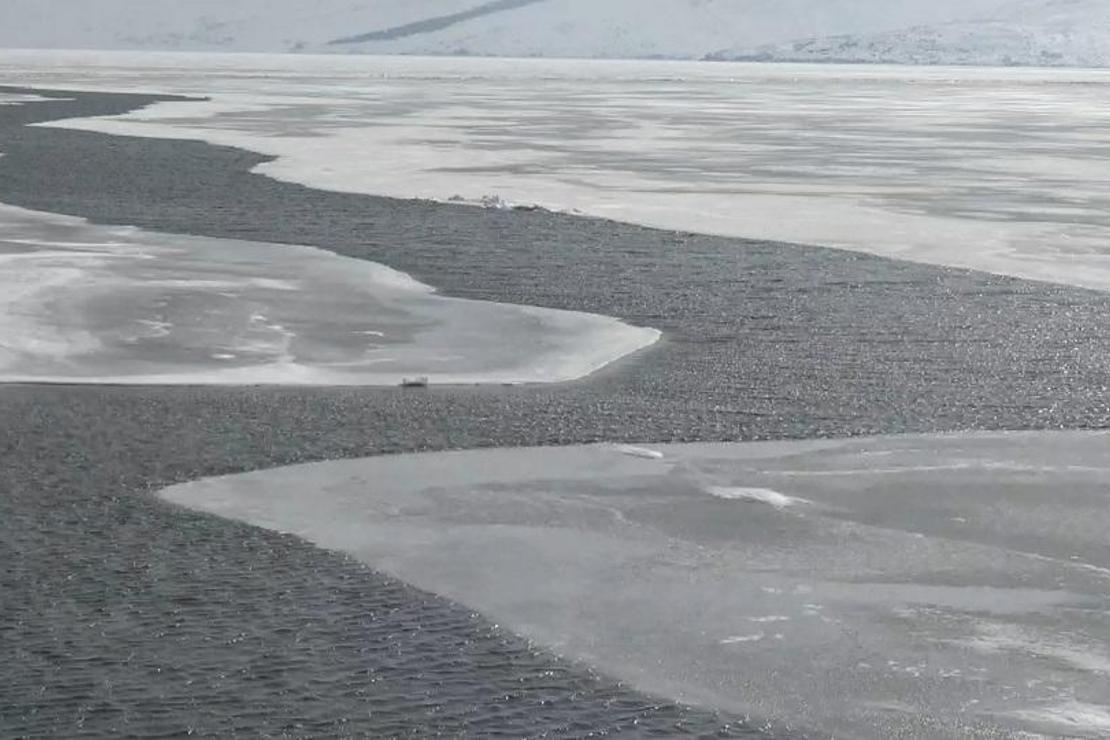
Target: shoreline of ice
[
  {"x": 85, "y": 303},
  {"x": 784, "y": 153}
]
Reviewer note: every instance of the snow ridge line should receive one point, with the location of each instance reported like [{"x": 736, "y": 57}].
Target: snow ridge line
[{"x": 438, "y": 23}]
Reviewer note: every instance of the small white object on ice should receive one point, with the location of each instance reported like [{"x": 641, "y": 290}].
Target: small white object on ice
[
  {"x": 756, "y": 495},
  {"x": 643, "y": 452},
  {"x": 1073, "y": 716}
]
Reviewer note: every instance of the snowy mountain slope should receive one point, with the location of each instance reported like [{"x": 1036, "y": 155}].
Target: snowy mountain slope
[
  {"x": 434, "y": 23},
  {"x": 665, "y": 28},
  {"x": 1074, "y": 33},
  {"x": 587, "y": 28},
  {"x": 988, "y": 32},
  {"x": 225, "y": 25}
]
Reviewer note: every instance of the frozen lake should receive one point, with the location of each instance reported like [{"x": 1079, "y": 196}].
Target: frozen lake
[
  {"x": 956, "y": 584},
  {"x": 919, "y": 586},
  {"x": 999, "y": 170}
]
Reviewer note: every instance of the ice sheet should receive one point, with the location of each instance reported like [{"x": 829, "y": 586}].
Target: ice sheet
[
  {"x": 929, "y": 586},
  {"x": 998, "y": 170},
  {"x": 20, "y": 99},
  {"x": 97, "y": 304}
]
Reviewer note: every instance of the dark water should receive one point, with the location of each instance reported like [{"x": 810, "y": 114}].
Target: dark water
[{"x": 120, "y": 615}]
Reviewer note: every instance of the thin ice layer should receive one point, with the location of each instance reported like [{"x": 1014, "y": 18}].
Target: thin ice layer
[
  {"x": 920, "y": 586},
  {"x": 96, "y": 304},
  {"x": 1001, "y": 170}
]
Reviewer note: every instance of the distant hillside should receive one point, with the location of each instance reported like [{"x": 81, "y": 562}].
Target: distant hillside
[
  {"x": 1047, "y": 33},
  {"x": 992, "y": 32},
  {"x": 682, "y": 29},
  {"x": 203, "y": 25}
]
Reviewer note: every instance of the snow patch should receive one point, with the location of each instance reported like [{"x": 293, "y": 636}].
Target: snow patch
[
  {"x": 1058, "y": 648},
  {"x": 1072, "y": 717},
  {"x": 641, "y": 452},
  {"x": 756, "y": 495}
]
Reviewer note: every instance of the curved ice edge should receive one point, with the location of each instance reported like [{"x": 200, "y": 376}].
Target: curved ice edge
[
  {"x": 601, "y": 340},
  {"x": 1004, "y": 259},
  {"x": 627, "y": 562}
]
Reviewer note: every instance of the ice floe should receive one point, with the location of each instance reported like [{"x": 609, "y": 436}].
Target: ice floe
[
  {"x": 873, "y": 615},
  {"x": 97, "y": 304}
]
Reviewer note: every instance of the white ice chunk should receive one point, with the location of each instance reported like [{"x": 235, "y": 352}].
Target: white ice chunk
[
  {"x": 756, "y": 495},
  {"x": 644, "y": 452}
]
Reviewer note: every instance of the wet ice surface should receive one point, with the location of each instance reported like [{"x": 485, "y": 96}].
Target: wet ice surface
[
  {"x": 20, "y": 99},
  {"x": 86, "y": 303},
  {"x": 925, "y": 585},
  {"x": 998, "y": 170}
]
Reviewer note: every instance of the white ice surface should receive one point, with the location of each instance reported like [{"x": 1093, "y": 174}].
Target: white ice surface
[
  {"x": 931, "y": 586},
  {"x": 999, "y": 170},
  {"x": 20, "y": 99},
  {"x": 99, "y": 304}
]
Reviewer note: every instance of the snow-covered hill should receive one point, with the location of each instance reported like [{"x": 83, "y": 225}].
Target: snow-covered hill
[
  {"x": 689, "y": 29},
  {"x": 1062, "y": 32},
  {"x": 223, "y": 25},
  {"x": 557, "y": 28},
  {"x": 1073, "y": 33}
]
